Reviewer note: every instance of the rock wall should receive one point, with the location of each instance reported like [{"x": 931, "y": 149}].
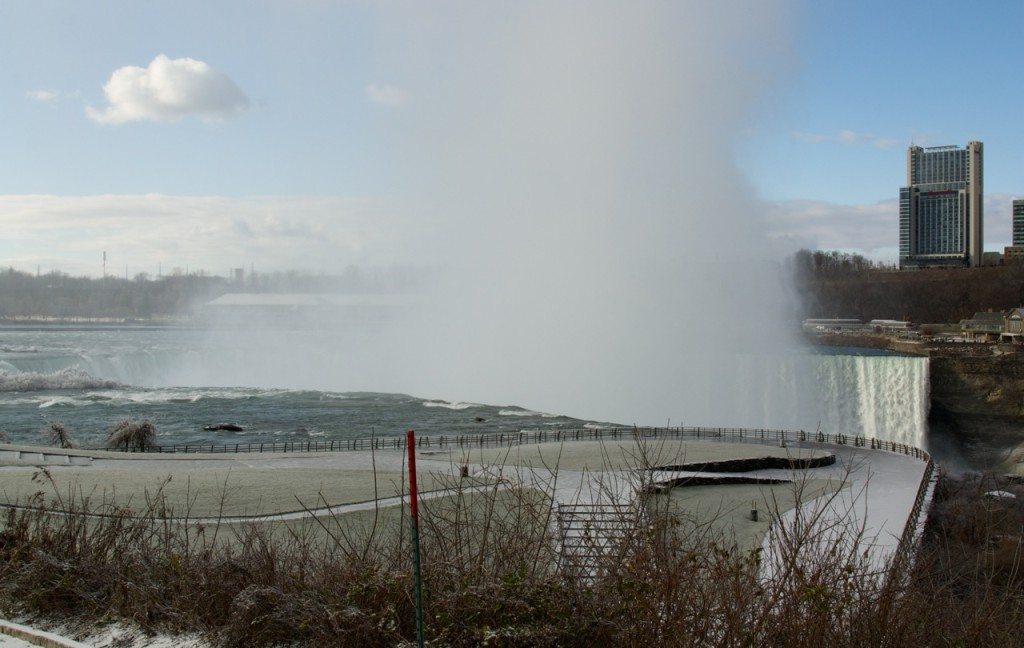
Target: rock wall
[{"x": 990, "y": 385}]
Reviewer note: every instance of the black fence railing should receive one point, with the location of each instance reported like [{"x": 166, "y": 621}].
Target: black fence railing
[
  {"x": 907, "y": 546},
  {"x": 742, "y": 435}
]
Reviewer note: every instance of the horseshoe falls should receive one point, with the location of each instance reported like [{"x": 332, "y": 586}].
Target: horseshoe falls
[
  {"x": 882, "y": 396},
  {"x": 857, "y": 392}
]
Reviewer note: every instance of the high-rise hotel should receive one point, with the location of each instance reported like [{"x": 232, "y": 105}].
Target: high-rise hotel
[
  {"x": 941, "y": 212},
  {"x": 1018, "y": 222},
  {"x": 1015, "y": 253}
]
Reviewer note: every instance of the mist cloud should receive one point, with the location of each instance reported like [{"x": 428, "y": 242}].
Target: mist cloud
[
  {"x": 169, "y": 90},
  {"x": 575, "y": 159}
]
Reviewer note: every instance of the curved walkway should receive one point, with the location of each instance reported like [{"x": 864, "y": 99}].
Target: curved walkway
[{"x": 880, "y": 494}]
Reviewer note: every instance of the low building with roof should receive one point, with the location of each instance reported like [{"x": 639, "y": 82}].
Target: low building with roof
[
  {"x": 983, "y": 327},
  {"x": 889, "y": 326},
  {"x": 1013, "y": 326}
]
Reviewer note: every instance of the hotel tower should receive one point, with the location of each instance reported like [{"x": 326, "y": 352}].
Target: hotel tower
[{"x": 941, "y": 213}]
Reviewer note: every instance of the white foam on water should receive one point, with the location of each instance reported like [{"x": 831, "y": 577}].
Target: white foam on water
[
  {"x": 522, "y": 412},
  {"x": 59, "y": 401},
  {"x": 18, "y": 349},
  {"x": 451, "y": 406},
  {"x": 67, "y": 378}
]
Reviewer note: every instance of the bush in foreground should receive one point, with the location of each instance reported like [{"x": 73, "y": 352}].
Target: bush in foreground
[
  {"x": 57, "y": 434},
  {"x": 133, "y": 435},
  {"x": 493, "y": 576}
]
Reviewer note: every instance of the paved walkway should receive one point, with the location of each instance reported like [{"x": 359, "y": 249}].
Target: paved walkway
[{"x": 880, "y": 492}]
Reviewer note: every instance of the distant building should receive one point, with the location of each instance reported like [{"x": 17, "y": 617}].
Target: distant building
[
  {"x": 1018, "y": 222},
  {"x": 983, "y": 327},
  {"x": 992, "y": 258},
  {"x": 889, "y": 326},
  {"x": 1014, "y": 254},
  {"x": 941, "y": 213},
  {"x": 1013, "y": 326}
]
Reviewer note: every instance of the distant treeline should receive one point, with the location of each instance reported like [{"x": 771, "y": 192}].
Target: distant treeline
[
  {"x": 59, "y": 295},
  {"x": 832, "y": 284},
  {"x": 818, "y": 262}
]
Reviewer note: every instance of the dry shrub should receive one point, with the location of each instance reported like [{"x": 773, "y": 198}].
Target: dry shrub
[
  {"x": 129, "y": 434},
  {"x": 493, "y": 575}
]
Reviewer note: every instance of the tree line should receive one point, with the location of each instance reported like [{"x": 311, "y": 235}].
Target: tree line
[
  {"x": 834, "y": 284},
  {"x": 62, "y": 296},
  {"x": 818, "y": 262}
]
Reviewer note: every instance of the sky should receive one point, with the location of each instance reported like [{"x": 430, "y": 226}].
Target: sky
[{"x": 264, "y": 132}]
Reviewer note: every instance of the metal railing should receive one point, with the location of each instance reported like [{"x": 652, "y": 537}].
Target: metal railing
[
  {"x": 742, "y": 435},
  {"x": 912, "y": 531}
]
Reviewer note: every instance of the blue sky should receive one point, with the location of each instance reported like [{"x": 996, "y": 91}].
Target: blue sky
[
  {"x": 893, "y": 72},
  {"x": 304, "y": 67},
  {"x": 318, "y": 95}
]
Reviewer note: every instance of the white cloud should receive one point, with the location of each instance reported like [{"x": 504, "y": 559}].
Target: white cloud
[
  {"x": 847, "y": 137},
  {"x": 825, "y": 225},
  {"x": 43, "y": 96},
  {"x": 50, "y": 96},
  {"x": 872, "y": 229},
  {"x": 70, "y": 233},
  {"x": 168, "y": 90},
  {"x": 386, "y": 95}
]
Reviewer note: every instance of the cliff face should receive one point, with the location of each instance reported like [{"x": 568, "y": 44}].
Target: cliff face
[{"x": 978, "y": 385}]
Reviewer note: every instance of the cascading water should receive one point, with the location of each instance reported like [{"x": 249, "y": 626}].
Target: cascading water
[{"x": 881, "y": 396}]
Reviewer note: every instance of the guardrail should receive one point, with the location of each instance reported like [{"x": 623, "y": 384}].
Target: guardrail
[
  {"x": 911, "y": 532},
  {"x": 743, "y": 435}
]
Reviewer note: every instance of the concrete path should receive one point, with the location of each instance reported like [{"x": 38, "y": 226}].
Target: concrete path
[{"x": 880, "y": 492}]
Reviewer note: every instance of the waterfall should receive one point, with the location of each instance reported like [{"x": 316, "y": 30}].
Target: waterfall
[
  {"x": 865, "y": 393},
  {"x": 883, "y": 396}
]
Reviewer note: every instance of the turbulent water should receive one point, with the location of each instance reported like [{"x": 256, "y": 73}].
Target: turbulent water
[{"x": 89, "y": 378}]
